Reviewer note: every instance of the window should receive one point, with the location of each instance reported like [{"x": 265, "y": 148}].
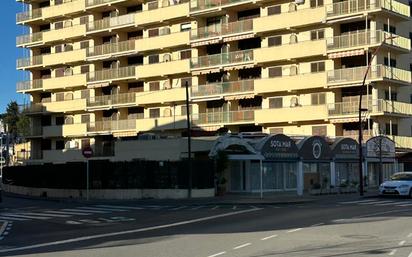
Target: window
[
  {"x": 85, "y": 143},
  {"x": 276, "y": 102},
  {"x": 153, "y": 58},
  {"x": 84, "y": 44},
  {"x": 69, "y": 120},
  {"x": 316, "y": 3},
  {"x": 59, "y": 121},
  {"x": 317, "y": 34},
  {"x": 136, "y": 86},
  {"x": 273, "y": 10},
  {"x": 410, "y": 36},
  {"x": 84, "y": 20},
  {"x": 59, "y": 144},
  {"x": 59, "y": 72},
  {"x": 394, "y": 129},
  {"x": 59, "y": 97},
  {"x": 392, "y": 96},
  {"x": 186, "y": 54},
  {"x": 153, "y": 32},
  {"x": 183, "y": 110},
  {"x": 58, "y": 25},
  {"x": 391, "y": 64},
  {"x": 185, "y": 27},
  {"x": 184, "y": 80},
  {"x": 154, "y": 113},
  {"x": 152, "y": 5},
  {"x": 319, "y": 130},
  {"x": 85, "y": 94},
  {"x": 84, "y": 69},
  {"x": 58, "y": 48},
  {"x": 390, "y": 29},
  {"x": 317, "y": 66},
  {"x": 318, "y": 98},
  {"x": 68, "y": 47},
  {"x": 275, "y": 72},
  {"x": 57, "y": 2},
  {"x": 85, "y": 118},
  {"x": 154, "y": 86},
  {"x": 275, "y": 41},
  {"x": 135, "y": 35}
]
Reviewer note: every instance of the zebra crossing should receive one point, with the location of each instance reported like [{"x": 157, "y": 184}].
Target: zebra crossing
[
  {"x": 380, "y": 202},
  {"x": 102, "y": 209}
]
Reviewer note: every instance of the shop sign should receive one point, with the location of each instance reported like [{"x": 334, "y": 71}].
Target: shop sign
[
  {"x": 279, "y": 147},
  {"x": 380, "y": 143},
  {"x": 345, "y": 148},
  {"x": 314, "y": 148}
]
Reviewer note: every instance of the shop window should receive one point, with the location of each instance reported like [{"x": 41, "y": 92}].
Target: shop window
[
  {"x": 317, "y": 66},
  {"x": 154, "y": 113},
  {"x": 59, "y": 144},
  {"x": 275, "y": 41},
  {"x": 319, "y": 130},
  {"x": 275, "y": 102},
  {"x": 273, "y": 10},
  {"x": 317, "y": 34},
  {"x": 316, "y": 3},
  {"x": 153, "y": 59},
  {"x": 275, "y": 72},
  {"x": 318, "y": 98}
]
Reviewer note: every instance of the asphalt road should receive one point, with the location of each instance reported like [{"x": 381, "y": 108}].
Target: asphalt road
[{"x": 340, "y": 226}]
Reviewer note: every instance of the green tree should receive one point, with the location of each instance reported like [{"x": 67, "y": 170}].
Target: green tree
[
  {"x": 11, "y": 117},
  {"x": 23, "y": 126}
]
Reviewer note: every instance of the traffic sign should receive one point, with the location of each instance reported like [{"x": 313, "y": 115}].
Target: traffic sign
[{"x": 87, "y": 152}]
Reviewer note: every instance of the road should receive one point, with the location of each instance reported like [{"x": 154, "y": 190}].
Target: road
[{"x": 333, "y": 226}]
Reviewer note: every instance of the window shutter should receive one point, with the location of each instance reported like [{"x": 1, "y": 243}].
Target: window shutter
[
  {"x": 153, "y": 32},
  {"x": 275, "y": 72},
  {"x": 154, "y": 86}
]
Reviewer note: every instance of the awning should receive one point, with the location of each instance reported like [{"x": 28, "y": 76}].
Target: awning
[
  {"x": 205, "y": 42},
  {"x": 98, "y": 85},
  {"x": 238, "y": 97},
  {"x": 239, "y": 37},
  {"x": 346, "y": 54}
]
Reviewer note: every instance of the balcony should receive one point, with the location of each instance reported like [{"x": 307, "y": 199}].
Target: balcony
[
  {"x": 172, "y": 95},
  {"x": 52, "y": 59},
  {"x": 222, "y": 32},
  {"x": 218, "y": 61},
  {"x": 291, "y": 83},
  {"x": 30, "y": 85},
  {"x": 122, "y": 21},
  {"x": 73, "y": 32},
  {"x": 349, "y": 8},
  {"x": 354, "y": 76},
  {"x": 208, "y": 6},
  {"x": 55, "y": 107},
  {"x": 96, "y": 3},
  {"x": 110, "y": 101},
  {"x": 218, "y": 90},
  {"x": 109, "y": 126},
  {"x": 402, "y": 141},
  {"x": 163, "y": 14},
  {"x": 291, "y": 114},
  {"x": 362, "y": 39},
  {"x": 111, "y": 50},
  {"x": 161, "y": 123},
  {"x": 221, "y": 118},
  {"x": 70, "y": 81},
  {"x": 299, "y": 18},
  {"x": 109, "y": 75},
  {"x": 30, "y": 62},
  {"x": 163, "y": 41},
  {"x": 66, "y": 130},
  {"x": 163, "y": 68},
  {"x": 290, "y": 51},
  {"x": 31, "y": 15},
  {"x": 31, "y": 39}
]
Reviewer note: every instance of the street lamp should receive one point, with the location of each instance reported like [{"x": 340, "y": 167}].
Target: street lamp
[{"x": 362, "y": 109}]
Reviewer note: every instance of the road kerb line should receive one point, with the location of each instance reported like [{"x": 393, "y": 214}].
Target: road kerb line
[
  {"x": 402, "y": 243},
  {"x": 127, "y": 232},
  {"x": 216, "y": 254},
  {"x": 318, "y": 224},
  {"x": 268, "y": 237},
  {"x": 293, "y": 230},
  {"x": 241, "y": 246},
  {"x": 392, "y": 252}
]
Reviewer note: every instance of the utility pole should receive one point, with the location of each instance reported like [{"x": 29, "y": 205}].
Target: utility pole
[{"x": 189, "y": 141}]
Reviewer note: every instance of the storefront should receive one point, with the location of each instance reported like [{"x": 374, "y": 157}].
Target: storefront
[
  {"x": 345, "y": 152},
  {"x": 380, "y": 154},
  {"x": 316, "y": 157}
]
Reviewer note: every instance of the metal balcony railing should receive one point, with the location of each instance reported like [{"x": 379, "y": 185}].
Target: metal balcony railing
[
  {"x": 112, "y": 74},
  {"x": 373, "y": 106},
  {"x": 90, "y": 3},
  {"x": 29, "y": 15},
  {"x": 222, "y": 29},
  {"x": 127, "y": 98},
  {"x": 199, "y": 5},
  {"x": 113, "y": 48},
  {"x": 224, "y": 117},
  {"x": 111, "y": 22},
  {"x": 29, "y": 85},
  {"x": 358, "y": 6},
  {"x": 30, "y": 61},
  {"x": 223, "y": 88},
  {"x": 222, "y": 59},
  {"x": 111, "y": 125},
  {"x": 29, "y": 38}
]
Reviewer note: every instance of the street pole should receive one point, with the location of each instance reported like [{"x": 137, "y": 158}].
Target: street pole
[
  {"x": 1, "y": 156},
  {"x": 87, "y": 179},
  {"x": 189, "y": 143},
  {"x": 380, "y": 160}
]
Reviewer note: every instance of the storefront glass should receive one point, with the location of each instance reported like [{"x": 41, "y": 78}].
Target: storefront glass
[
  {"x": 347, "y": 174},
  {"x": 316, "y": 175}
]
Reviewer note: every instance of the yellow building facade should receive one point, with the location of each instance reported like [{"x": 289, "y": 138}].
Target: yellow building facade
[{"x": 110, "y": 73}]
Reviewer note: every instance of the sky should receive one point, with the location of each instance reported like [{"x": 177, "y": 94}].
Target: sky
[{"x": 9, "y": 53}]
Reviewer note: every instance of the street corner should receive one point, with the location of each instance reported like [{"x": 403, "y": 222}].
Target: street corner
[{"x": 5, "y": 229}]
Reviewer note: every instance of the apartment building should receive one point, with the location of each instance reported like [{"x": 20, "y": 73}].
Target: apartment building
[{"x": 108, "y": 73}]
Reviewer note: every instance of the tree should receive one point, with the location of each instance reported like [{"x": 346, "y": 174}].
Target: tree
[
  {"x": 10, "y": 119},
  {"x": 23, "y": 126}
]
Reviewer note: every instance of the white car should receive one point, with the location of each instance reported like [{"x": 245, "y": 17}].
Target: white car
[{"x": 399, "y": 184}]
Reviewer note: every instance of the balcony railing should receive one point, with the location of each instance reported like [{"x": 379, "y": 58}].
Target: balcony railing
[
  {"x": 111, "y": 125},
  {"x": 240, "y": 86},
  {"x": 356, "y": 74},
  {"x": 112, "y": 74},
  {"x": 29, "y": 38},
  {"x": 90, "y": 3},
  {"x": 30, "y": 61},
  {"x": 373, "y": 106},
  {"x": 222, "y": 59},
  {"x": 224, "y": 117},
  {"x": 223, "y": 29},
  {"x": 127, "y": 98},
  {"x": 359, "y": 6},
  {"x": 111, "y": 22},
  {"x": 199, "y": 5},
  {"x": 32, "y": 108},
  {"x": 29, "y": 15},
  {"x": 362, "y": 38},
  {"x": 106, "y": 49},
  {"x": 29, "y": 85}
]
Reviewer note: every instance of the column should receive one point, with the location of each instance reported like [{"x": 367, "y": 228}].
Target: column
[
  {"x": 332, "y": 173},
  {"x": 300, "y": 181}
]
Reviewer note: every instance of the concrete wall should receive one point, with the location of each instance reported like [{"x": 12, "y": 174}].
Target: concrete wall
[{"x": 117, "y": 194}]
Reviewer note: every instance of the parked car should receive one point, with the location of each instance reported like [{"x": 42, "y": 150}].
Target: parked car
[{"x": 399, "y": 184}]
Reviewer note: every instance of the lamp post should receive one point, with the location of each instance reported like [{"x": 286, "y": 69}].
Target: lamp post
[
  {"x": 189, "y": 141},
  {"x": 362, "y": 109}
]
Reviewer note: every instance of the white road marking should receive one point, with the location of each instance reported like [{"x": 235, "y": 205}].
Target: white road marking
[
  {"x": 392, "y": 252},
  {"x": 410, "y": 255},
  {"x": 126, "y": 232},
  {"x": 268, "y": 237},
  {"x": 380, "y": 213},
  {"x": 216, "y": 254},
  {"x": 234, "y": 207},
  {"x": 359, "y": 201},
  {"x": 197, "y": 208},
  {"x": 3, "y": 228},
  {"x": 404, "y": 205},
  {"x": 178, "y": 208},
  {"x": 72, "y": 222},
  {"x": 99, "y": 209},
  {"x": 241, "y": 246},
  {"x": 377, "y": 202},
  {"x": 47, "y": 214},
  {"x": 86, "y": 211},
  {"x": 214, "y": 208},
  {"x": 402, "y": 243},
  {"x": 24, "y": 216},
  {"x": 318, "y": 224},
  {"x": 293, "y": 230},
  {"x": 68, "y": 212},
  {"x": 410, "y": 235},
  {"x": 3, "y": 218},
  {"x": 120, "y": 207}
]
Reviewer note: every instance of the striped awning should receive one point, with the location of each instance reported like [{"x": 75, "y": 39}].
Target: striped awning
[
  {"x": 346, "y": 54},
  {"x": 344, "y": 120},
  {"x": 98, "y": 85},
  {"x": 205, "y": 42},
  {"x": 238, "y": 97},
  {"x": 239, "y": 37}
]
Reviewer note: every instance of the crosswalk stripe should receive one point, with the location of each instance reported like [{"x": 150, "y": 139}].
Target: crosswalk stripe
[
  {"x": 101, "y": 209},
  {"x": 68, "y": 212},
  {"x": 214, "y": 208},
  {"x": 24, "y": 216},
  {"x": 47, "y": 215},
  {"x": 120, "y": 207},
  {"x": 85, "y": 211},
  {"x": 11, "y": 218},
  {"x": 386, "y": 204},
  {"x": 405, "y": 205},
  {"x": 197, "y": 207},
  {"x": 178, "y": 208},
  {"x": 359, "y": 201},
  {"x": 376, "y": 202}
]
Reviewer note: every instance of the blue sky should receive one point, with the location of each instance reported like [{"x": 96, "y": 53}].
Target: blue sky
[{"x": 9, "y": 53}]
